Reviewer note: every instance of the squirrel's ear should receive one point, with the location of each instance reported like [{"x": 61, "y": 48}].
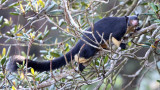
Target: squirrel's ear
[
  {"x": 137, "y": 15},
  {"x": 126, "y": 18}
]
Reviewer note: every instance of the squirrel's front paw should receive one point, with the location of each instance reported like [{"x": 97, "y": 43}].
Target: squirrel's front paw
[{"x": 123, "y": 46}]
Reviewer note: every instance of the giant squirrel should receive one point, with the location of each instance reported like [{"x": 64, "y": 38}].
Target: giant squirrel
[{"x": 117, "y": 26}]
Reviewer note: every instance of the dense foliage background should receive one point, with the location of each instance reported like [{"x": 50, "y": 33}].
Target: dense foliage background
[{"x": 47, "y": 29}]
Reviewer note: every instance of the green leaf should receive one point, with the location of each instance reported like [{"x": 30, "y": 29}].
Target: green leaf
[
  {"x": 48, "y": 2},
  {"x": 1, "y": 19},
  {"x": 147, "y": 43},
  {"x": 4, "y": 52},
  {"x": 145, "y": 3},
  {"x": 25, "y": 35},
  {"x": 29, "y": 31},
  {"x": 54, "y": 54},
  {"x": 129, "y": 43},
  {"x": 16, "y": 28},
  {"x": 43, "y": 51},
  {"x": 23, "y": 54},
  {"x": 84, "y": 4},
  {"x": 14, "y": 13},
  {"x": 46, "y": 32},
  {"x": 39, "y": 36},
  {"x": 97, "y": 62},
  {"x": 157, "y": 21},
  {"x": 2, "y": 1},
  {"x": 38, "y": 79},
  {"x": 158, "y": 81},
  {"x": 56, "y": 12},
  {"x": 13, "y": 88},
  {"x": 61, "y": 22},
  {"x": 9, "y": 33},
  {"x": 8, "y": 51},
  {"x": 13, "y": 4},
  {"x": 41, "y": 3},
  {"x": 54, "y": 28},
  {"x": 32, "y": 71},
  {"x": 2, "y": 75},
  {"x": 75, "y": 5},
  {"x": 148, "y": 13},
  {"x": 154, "y": 7},
  {"x": 56, "y": 40},
  {"x": 3, "y": 60},
  {"x": 145, "y": 46},
  {"x": 50, "y": 7},
  {"x": 7, "y": 40},
  {"x": 22, "y": 9},
  {"x": 49, "y": 57},
  {"x": 106, "y": 59},
  {"x": 6, "y": 21},
  {"x": 67, "y": 49},
  {"x": 12, "y": 30},
  {"x": 130, "y": 2}
]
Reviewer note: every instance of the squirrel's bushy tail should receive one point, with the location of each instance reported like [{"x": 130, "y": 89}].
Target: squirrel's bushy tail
[{"x": 43, "y": 65}]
